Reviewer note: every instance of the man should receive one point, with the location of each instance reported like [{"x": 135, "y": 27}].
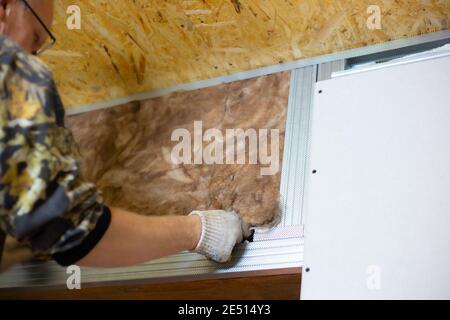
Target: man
[{"x": 44, "y": 201}]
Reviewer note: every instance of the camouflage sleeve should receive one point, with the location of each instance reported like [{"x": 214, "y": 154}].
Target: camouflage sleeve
[{"x": 44, "y": 202}]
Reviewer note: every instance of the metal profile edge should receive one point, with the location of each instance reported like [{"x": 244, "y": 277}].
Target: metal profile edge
[
  {"x": 296, "y": 144},
  {"x": 327, "y": 70}
]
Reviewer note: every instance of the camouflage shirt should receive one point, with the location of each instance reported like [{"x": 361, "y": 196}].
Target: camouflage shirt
[{"x": 44, "y": 202}]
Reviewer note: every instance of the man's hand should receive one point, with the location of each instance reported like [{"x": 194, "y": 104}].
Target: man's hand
[{"x": 221, "y": 232}]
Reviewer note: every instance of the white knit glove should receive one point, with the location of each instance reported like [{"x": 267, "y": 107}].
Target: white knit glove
[{"x": 221, "y": 232}]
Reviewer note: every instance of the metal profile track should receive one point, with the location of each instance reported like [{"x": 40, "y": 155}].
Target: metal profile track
[
  {"x": 261, "y": 255},
  {"x": 397, "y": 62},
  {"x": 296, "y": 144},
  {"x": 326, "y": 70}
]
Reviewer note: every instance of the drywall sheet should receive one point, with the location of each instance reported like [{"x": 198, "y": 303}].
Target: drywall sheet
[
  {"x": 377, "y": 213},
  {"x": 127, "y": 150},
  {"x": 133, "y": 46}
]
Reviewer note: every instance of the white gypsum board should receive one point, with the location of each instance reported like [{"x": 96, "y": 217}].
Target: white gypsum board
[{"x": 378, "y": 207}]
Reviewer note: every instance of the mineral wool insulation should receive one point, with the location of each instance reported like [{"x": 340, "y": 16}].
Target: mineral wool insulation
[{"x": 128, "y": 150}]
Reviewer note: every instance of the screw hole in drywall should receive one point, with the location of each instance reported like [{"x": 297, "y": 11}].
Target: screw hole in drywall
[
  {"x": 307, "y": 269},
  {"x": 320, "y": 91},
  {"x": 314, "y": 171}
]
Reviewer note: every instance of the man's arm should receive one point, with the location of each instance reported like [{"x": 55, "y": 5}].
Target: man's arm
[
  {"x": 132, "y": 239},
  {"x": 47, "y": 205}
]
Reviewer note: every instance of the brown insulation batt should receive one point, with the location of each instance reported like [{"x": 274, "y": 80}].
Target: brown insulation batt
[
  {"x": 126, "y": 150},
  {"x": 131, "y": 46}
]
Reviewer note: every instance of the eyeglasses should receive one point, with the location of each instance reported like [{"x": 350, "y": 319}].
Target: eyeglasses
[{"x": 52, "y": 40}]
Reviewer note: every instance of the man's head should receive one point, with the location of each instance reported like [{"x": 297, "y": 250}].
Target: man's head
[{"x": 18, "y": 23}]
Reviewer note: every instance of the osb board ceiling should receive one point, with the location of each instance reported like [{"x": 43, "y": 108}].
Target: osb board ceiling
[
  {"x": 132, "y": 46},
  {"x": 127, "y": 150}
]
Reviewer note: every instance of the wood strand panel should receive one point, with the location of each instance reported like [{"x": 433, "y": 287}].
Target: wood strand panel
[{"x": 133, "y": 46}]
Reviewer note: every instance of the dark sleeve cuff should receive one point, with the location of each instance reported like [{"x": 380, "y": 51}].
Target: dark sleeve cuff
[{"x": 72, "y": 256}]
